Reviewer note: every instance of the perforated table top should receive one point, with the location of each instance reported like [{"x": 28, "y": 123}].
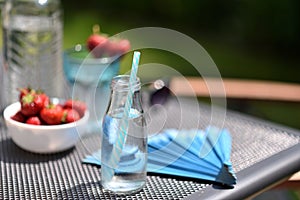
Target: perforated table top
[{"x": 257, "y": 145}]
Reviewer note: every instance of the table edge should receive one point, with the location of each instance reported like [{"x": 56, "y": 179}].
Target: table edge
[{"x": 257, "y": 177}]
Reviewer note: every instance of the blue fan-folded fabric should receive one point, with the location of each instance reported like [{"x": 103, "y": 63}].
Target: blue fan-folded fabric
[{"x": 198, "y": 154}]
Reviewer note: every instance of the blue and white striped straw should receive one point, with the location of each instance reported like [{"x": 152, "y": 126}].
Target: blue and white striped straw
[{"x": 122, "y": 135}]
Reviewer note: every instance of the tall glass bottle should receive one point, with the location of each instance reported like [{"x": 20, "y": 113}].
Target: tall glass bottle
[
  {"x": 32, "y": 48},
  {"x": 128, "y": 174}
]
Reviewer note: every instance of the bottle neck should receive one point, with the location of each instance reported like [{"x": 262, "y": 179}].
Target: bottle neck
[
  {"x": 32, "y": 7},
  {"x": 120, "y": 88},
  {"x": 122, "y": 83}
]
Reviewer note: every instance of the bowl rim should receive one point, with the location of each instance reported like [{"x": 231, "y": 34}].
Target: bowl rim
[
  {"x": 88, "y": 60},
  {"x": 13, "y": 108}
]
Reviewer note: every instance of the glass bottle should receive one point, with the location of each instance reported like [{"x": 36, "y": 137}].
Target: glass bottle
[
  {"x": 32, "y": 48},
  {"x": 128, "y": 173}
]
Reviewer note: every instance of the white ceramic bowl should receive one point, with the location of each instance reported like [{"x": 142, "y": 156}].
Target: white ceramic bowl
[{"x": 43, "y": 138}]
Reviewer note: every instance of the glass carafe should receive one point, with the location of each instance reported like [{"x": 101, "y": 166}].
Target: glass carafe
[{"x": 32, "y": 48}]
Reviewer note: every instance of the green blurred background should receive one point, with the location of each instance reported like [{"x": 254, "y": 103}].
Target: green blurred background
[{"x": 247, "y": 39}]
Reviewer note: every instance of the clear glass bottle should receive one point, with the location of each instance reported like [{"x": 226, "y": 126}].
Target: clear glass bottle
[
  {"x": 129, "y": 173},
  {"x": 32, "y": 48}
]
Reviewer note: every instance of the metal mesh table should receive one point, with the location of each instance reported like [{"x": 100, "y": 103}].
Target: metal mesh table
[{"x": 259, "y": 150}]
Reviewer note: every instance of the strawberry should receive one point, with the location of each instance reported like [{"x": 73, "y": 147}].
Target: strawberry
[
  {"x": 19, "y": 117},
  {"x": 45, "y": 99},
  {"x": 112, "y": 48},
  {"x": 70, "y": 115},
  {"x": 123, "y": 46},
  {"x": 52, "y": 114},
  {"x": 79, "y": 106},
  {"x": 117, "y": 47},
  {"x": 24, "y": 91},
  {"x": 95, "y": 40},
  {"x": 34, "y": 120},
  {"x": 97, "y": 43},
  {"x": 31, "y": 104}
]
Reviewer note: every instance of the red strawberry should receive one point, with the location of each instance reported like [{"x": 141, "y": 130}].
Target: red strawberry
[
  {"x": 19, "y": 117},
  {"x": 24, "y": 91},
  {"x": 79, "y": 106},
  {"x": 118, "y": 47},
  {"x": 52, "y": 114},
  {"x": 34, "y": 120},
  {"x": 112, "y": 48},
  {"x": 123, "y": 46},
  {"x": 31, "y": 104},
  {"x": 97, "y": 43},
  {"x": 95, "y": 40},
  {"x": 70, "y": 115},
  {"x": 45, "y": 98}
]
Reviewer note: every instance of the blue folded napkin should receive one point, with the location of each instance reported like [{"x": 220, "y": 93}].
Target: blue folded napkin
[{"x": 198, "y": 154}]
